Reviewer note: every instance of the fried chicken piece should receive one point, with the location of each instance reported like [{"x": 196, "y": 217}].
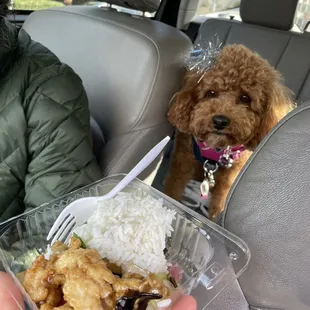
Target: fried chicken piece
[
  {"x": 82, "y": 279},
  {"x": 125, "y": 284},
  {"x": 46, "y": 307},
  {"x": 49, "y": 307},
  {"x": 90, "y": 273},
  {"x": 146, "y": 285},
  {"x": 75, "y": 243},
  {"x": 36, "y": 280},
  {"x": 75, "y": 258},
  {"x": 155, "y": 286},
  {"x": 113, "y": 267},
  {"x": 54, "y": 296},
  {"x": 64, "y": 307},
  {"x": 109, "y": 302},
  {"x": 100, "y": 272},
  {"x": 81, "y": 291},
  {"x": 58, "y": 247},
  {"x": 57, "y": 279}
]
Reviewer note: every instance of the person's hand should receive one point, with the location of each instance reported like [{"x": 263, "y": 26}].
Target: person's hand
[
  {"x": 12, "y": 299},
  {"x": 185, "y": 303},
  {"x": 178, "y": 302},
  {"x": 10, "y": 296}
]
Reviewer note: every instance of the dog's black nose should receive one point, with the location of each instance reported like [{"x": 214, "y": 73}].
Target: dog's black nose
[{"x": 220, "y": 122}]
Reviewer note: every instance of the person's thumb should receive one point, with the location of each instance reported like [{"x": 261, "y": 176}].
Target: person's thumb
[
  {"x": 10, "y": 296},
  {"x": 186, "y": 303}
]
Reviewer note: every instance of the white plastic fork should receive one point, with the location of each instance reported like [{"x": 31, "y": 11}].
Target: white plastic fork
[{"x": 78, "y": 212}]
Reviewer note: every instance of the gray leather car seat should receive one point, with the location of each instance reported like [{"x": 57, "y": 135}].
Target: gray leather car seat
[
  {"x": 130, "y": 67},
  {"x": 269, "y": 208},
  {"x": 150, "y": 6},
  {"x": 265, "y": 28}
]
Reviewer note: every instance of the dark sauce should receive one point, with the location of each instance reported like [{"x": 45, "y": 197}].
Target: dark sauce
[
  {"x": 173, "y": 281},
  {"x": 141, "y": 301}
]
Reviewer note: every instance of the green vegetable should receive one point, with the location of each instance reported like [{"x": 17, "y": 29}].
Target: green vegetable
[
  {"x": 83, "y": 245},
  {"x": 162, "y": 276}
]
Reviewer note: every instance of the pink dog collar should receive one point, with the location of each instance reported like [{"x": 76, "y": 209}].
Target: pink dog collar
[
  {"x": 211, "y": 159},
  {"x": 217, "y": 154}
]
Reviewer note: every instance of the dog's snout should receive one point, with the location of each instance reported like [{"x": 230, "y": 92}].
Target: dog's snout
[{"x": 220, "y": 122}]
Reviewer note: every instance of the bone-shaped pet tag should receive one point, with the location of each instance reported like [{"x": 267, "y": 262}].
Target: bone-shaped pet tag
[{"x": 204, "y": 189}]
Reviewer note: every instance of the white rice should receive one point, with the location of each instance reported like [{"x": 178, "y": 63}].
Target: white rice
[{"x": 130, "y": 229}]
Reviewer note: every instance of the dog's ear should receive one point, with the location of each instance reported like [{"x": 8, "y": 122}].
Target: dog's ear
[
  {"x": 182, "y": 103},
  {"x": 279, "y": 103}
]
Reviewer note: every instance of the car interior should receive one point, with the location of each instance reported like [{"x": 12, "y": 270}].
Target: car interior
[{"x": 132, "y": 63}]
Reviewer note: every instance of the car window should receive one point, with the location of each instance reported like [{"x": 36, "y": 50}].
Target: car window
[
  {"x": 212, "y": 6},
  {"x": 227, "y": 8},
  {"x": 303, "y": 14},
  {"x": 35, "y": 5}
]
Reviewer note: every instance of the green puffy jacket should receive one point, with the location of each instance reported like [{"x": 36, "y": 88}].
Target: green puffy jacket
[{"x": 45, "y": 138}]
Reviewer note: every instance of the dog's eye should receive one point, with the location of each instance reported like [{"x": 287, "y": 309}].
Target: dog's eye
[
  {"x": 211, "y": 94},
  {"x": 245, "y": 99}
]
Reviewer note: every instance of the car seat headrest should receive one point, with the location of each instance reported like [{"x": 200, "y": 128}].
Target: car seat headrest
[{"x": 278, "y": 14}]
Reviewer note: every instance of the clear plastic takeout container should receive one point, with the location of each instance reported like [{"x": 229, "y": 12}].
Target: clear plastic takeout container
[{"x": 210, "y": 256}]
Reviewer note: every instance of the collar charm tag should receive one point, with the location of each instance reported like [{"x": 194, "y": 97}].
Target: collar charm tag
[
  {"x": 209, "y": 181},
  {"x": 204, "y": 189}
]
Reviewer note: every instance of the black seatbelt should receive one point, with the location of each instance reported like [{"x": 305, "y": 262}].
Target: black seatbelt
[
  {"x": 168, "y": 12},
  {"x": 192, "y": 31}
]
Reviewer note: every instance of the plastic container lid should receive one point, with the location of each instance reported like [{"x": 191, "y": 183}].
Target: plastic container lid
[{"x": 210, "y": 256}]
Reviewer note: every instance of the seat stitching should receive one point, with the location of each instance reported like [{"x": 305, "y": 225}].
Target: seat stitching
[
  {"x": 303, "y": 84},
  {"x": 227, "y": 35},
  {"x": 128, "y": 145},
  {"x": 284, "y": 50}
]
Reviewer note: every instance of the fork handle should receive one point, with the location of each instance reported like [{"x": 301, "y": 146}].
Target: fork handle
[{"x": 142, "y": 164}]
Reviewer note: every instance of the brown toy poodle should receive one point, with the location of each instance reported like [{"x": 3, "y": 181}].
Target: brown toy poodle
[{"x": 227, "y": 111}]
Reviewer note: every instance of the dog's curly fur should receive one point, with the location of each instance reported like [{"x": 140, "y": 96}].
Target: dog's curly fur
[{"x": 241, "y": 86}]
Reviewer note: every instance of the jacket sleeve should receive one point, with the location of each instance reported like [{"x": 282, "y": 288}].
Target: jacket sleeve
[{"x": 59, "y": 140}]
